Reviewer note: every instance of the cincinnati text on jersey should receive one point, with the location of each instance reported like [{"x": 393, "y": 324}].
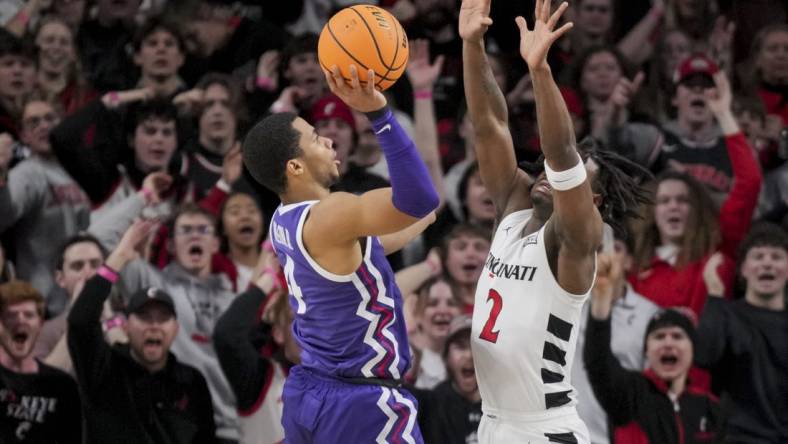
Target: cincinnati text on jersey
[{"x": 509, "y": 271}]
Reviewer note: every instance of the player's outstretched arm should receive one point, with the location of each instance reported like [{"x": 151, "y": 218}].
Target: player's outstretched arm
[
  {"x": 487, "y": 108},
  {"x": 345, "y": 217},
  {"x": 575, "y": 220}
]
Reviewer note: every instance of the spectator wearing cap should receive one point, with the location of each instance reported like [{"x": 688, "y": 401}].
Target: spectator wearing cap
[
  {"x": 705, "y": 140},
  {"x": 661, "y": 404},
  {"x": 450, "y": 413},
  {"x": 686, "y": 226},
  {"x": 200, "y": 295},
  {"x": 41, "y": 202},
  {"x": 744, "y": 343},
  {"x": 140, "y": 392},
  {"x": 38, "y": 403}
]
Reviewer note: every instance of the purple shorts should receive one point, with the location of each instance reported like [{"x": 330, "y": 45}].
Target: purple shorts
[{"x": 324, "y": 410}]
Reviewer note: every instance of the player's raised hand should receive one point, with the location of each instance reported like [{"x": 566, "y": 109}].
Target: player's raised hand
[
  {"x": 364, "y": 98},
  {"x": 535, "y": 43},
  {"x": 474, "y": 19}
]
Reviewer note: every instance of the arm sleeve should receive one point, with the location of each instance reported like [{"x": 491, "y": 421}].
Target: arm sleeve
[
  {"x": 737, "y": 210},
  {"x": 89, "y": 352},
  {"x": 614, "y": 387},
  {"x": 207, "y": 433},
  {"x": 24, "y": 192},
  {"x": 719, "y": 333},
  {"x": 412, "y": 190},
  {"x": 245, "y": 369},
  {"x": 90, "y": 144},
  {"x": 72, "y": 418}
]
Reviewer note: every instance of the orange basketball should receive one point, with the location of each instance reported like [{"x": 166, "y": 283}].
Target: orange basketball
[{"x": 368, "y": 37}]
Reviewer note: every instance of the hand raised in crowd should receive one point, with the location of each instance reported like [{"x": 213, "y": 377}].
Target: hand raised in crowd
[
  {"x": 188, "y": 102},
  {"x": 421, "y": 73},
  {"x": 711, "y": 275},
  {"x": 115, "y": 99},
  {"x": 154, "y": 185},
  {"x": 268, "y": 70},
  {"x": 6, "y": 152},
  {"x": 132, "y": 243},
  {"x": 626, "y": 89},
  {"x": 535, "y": 43},
  {"x": 361, "y": 98},
  {"x": 232, "y": 164},
  {"x": 719, "y": 98},
  {"x": 608, "y": 284},
  {"x": 287, "y": 100},
  {"x": 474, "y": 19},
  {"x": 523, "y": 92}
]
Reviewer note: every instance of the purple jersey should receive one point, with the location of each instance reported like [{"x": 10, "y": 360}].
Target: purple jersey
[{"x": 347, "y": 325}]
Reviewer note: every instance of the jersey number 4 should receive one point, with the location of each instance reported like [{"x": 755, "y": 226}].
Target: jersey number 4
[{"x": 487, "y": 332}]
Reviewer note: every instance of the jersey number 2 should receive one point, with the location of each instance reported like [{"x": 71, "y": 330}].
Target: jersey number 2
[{"x": 487, "y": 332}]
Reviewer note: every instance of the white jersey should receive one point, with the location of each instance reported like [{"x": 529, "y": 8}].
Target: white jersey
[{"x": 525, "y": 328}]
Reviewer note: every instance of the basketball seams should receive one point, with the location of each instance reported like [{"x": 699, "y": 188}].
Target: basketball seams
[
  {"x": 371, "y": 34},
  {"x": 354, "y": 48}
]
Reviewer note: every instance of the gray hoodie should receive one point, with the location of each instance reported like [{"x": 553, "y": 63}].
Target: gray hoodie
[{"x": 45, "y": 206}]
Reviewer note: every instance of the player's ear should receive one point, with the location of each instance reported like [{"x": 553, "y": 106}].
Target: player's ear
[
  {"x": 597, "y": 200},
  {"x": 295, "y": 167}
]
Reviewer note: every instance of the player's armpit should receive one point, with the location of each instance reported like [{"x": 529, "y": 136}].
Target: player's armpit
[
  {"x": 342, "y": 218},
  {"x": 395, "y": 241}
]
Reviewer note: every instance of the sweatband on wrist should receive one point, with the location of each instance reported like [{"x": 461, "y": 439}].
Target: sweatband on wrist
[
  {"x": 422, "y": 95},
  {"x": 265, "y": 83},
  {"x": 412, "y": 190},
  {"x": 147, "y": 194},
  {"x": 567, "y": 179},
  {"x": 107, "y": 273}
]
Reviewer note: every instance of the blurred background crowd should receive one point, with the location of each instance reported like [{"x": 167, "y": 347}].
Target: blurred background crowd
[{"x": 116, "y": 111}]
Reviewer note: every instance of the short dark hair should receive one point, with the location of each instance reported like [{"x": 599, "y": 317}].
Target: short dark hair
[
  {"x": 158, "y": 23},
  {"x": 77, "y": 239},
  {"x": 191, "y": 208},
  {"x": 302, "y": 44},
  {"x": 13, "y": 45},
  {"x": 158, "y": 109},
  {"x": 462, "y": 229},
  {"x": 763, "y": 234},
  {"x": 267, "y": 149}
]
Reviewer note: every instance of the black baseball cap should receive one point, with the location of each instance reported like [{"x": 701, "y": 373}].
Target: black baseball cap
[{"x": 149, "y": 295}]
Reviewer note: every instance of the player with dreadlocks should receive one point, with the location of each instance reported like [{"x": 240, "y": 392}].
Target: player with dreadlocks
[{"x": 542, "y": 261}]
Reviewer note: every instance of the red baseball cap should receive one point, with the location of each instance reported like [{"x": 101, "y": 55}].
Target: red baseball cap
[
  {"x": 695, "y": 64},
  {"x": 330, "y": 107}
]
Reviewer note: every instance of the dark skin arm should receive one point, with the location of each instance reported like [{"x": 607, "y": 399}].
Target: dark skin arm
[
  {"x": 507, "y": 184},
  {"x": 574, "y": 230}
]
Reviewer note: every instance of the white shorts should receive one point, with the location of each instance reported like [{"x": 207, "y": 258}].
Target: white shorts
[{"x": 562, "y": 426}]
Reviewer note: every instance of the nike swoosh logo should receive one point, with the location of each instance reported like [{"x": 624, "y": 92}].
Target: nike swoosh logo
[{"x": 386, "y": 127}]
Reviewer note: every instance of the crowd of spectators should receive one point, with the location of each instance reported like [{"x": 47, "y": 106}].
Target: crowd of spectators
[{"x": 140, "y": 303}]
